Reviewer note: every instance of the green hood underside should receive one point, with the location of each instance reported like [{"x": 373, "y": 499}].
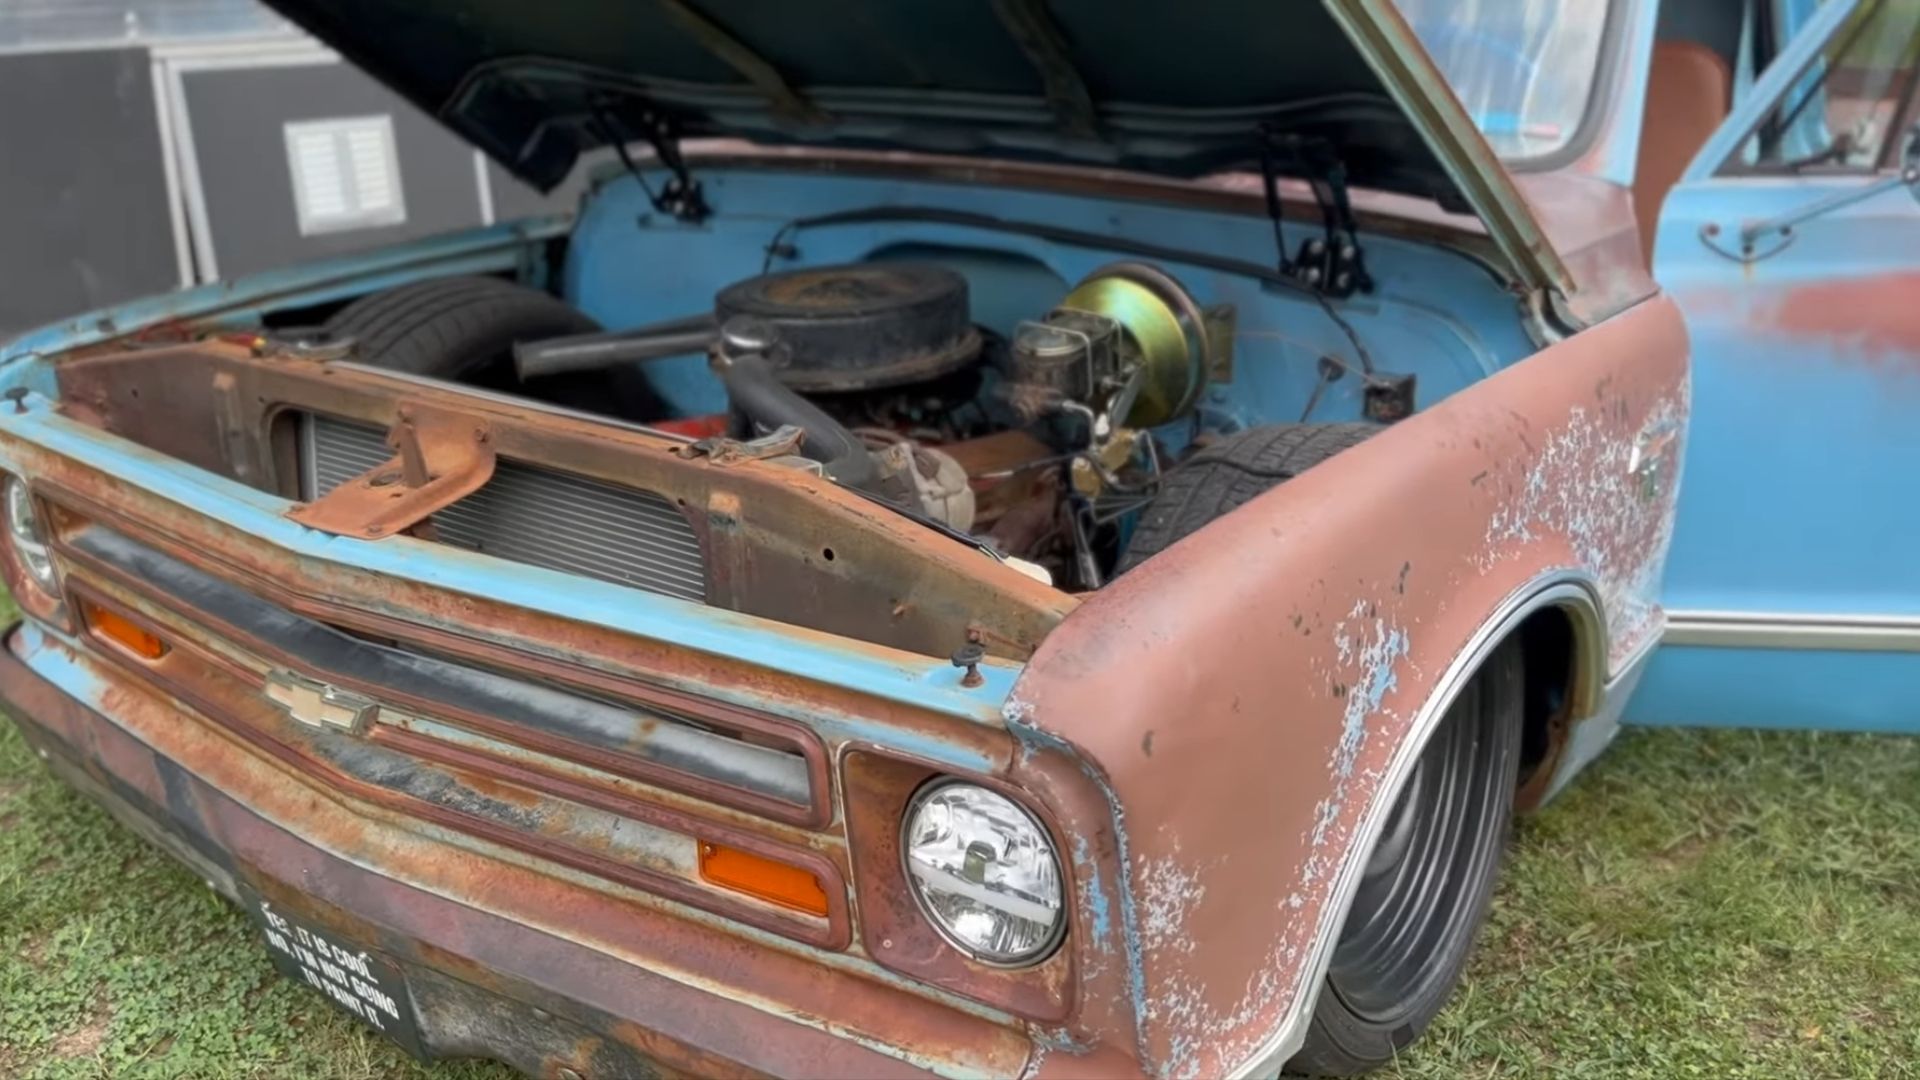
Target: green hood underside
[{"x": 1175, "y": 89}]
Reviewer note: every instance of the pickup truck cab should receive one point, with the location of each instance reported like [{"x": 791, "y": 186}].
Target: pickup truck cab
[{"x": 1025, "y": 538}]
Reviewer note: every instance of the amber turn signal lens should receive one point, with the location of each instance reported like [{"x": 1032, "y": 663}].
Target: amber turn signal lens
[
  {"x": 123, "y": 631},
  {"x": 764, "y": 878}
]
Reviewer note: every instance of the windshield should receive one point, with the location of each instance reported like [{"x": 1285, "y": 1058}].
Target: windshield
[{"x": 1523, "y": 68}]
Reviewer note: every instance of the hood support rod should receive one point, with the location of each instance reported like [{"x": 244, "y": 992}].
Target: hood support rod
[
  {"x": 1045, "y": 48},
  {"x": 787, "y": 102}
]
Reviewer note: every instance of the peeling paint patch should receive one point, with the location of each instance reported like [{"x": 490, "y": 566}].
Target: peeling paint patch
[
  {"x": 1207, "y": 1036},
  {"x": 1019, "y": 715},
  {"x": 1873, "y": 317},
  {"x": 1606, "y": 490},
  {"x": 1169, "y": 893},
  {"x": 1093, "y": 898},
  {"x": 1367, "y": 651}
]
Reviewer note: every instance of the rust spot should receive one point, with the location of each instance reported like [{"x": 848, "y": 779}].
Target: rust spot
[
  {"x": 1876, "y": 315},
  {"x": 511, "y": 794}
]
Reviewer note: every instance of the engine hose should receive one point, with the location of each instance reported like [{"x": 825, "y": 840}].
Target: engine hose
[{"x": 758, "y": 394}]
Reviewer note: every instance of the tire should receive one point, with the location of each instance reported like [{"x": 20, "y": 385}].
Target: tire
[
  {"x": 1230, "y": 472},
  {"x": 1427, "y": 885},
  {"x": 463, "y": 329}
]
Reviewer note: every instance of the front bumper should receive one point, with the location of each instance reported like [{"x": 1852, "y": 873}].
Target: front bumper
[{"x": 504, "y": 962}]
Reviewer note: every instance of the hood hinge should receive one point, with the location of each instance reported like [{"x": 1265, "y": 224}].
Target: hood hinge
[
  {"x": 1332, "y": 264},
  {"x": 681, "y": 196}
]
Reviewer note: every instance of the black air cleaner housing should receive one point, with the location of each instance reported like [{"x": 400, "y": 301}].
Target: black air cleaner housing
[{"x": 862, "y": 326}]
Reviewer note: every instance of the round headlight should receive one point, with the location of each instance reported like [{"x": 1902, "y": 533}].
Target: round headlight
[
  {"x": 29, "y": 545},
  {"x": 985, "y": 873}
]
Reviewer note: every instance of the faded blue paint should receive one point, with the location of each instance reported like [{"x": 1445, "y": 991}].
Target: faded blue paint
[
  {"x": 242, "y": 300},
  {"x": 1435, "y": 314},
  {"x": 1690, "y": 686},
  {"x": 1802, "y": 425},
  {"x": 61, "y": 667},
  {"x": 1099, "y": 909},
  {"x": 1377, "y": 679},
  {"x": 1786, "y": 506},
  {"x": 890, "y": 675},
  {"x": 33, "y": 373}
]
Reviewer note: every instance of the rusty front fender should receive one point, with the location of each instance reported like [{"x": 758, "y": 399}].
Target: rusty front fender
[{"x": 1242, "y": 707}]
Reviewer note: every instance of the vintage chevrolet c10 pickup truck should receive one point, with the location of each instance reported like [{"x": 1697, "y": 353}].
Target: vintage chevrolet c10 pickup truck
[{"x": 1030, "y": 537}]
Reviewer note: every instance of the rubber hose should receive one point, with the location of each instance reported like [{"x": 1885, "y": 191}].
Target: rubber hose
[{"x": 758, "y": 394}]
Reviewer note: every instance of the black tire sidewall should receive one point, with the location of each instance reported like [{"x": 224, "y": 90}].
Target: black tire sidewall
[
  {"x": 1341, "y": 1043},
  {"x": 464, "y": 329},
  {"x": 1232, "y": 471}
]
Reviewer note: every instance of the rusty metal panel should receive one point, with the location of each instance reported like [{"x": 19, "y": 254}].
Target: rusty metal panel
[
  {"x": 712, "y": 1002},
  {"x": 1236, "y": 703},
  {"x": 778, "y": 542},
  {"x": 438, "y": 459}
]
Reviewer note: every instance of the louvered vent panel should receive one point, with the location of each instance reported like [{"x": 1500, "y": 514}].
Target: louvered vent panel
[{"x": 535, "y": 515}]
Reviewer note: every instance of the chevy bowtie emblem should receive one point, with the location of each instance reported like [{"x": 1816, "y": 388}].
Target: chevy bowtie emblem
[{"x": 318, "y": 704}]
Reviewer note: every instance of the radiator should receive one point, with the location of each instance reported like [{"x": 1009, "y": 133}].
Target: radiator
[{"x": 533, "y": 515}]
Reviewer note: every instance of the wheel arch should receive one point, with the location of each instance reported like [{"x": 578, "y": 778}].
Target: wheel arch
[
  {"x": 1566, "y": 596},
  {"x": 1563, "y": 643}
]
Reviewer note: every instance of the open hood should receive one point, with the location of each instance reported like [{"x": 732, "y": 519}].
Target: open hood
[{"x": 1177, "y": 89}]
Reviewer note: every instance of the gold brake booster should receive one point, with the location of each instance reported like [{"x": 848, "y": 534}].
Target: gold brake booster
[{"x": 1129, "y": 349}]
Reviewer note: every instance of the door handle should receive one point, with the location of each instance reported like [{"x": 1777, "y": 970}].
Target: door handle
[{"x": 1769, "y": 236}]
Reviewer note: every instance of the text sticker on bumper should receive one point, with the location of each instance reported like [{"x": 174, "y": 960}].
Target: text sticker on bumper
[{"x": 366, "y": 985}]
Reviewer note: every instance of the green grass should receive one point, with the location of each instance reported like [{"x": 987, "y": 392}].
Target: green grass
[
  {"x": 118, "y": 962},
  {"x": 1712, "y": 904},
  {"x": 1701, "y": 904}
]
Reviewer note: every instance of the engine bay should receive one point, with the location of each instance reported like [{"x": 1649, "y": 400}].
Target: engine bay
[
  {"x": 926, "y": 415},
  {"x": 1037, "y": 445}
]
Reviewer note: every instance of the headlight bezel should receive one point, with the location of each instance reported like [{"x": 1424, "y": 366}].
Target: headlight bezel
[
  {"x": 32, "y": 595},
  {"x": 28, "y": 548},
  {"x": 1033, "y": 957}
]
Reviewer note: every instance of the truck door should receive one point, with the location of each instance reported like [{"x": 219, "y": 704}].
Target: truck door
[{"x": 1792, "y": 244}]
